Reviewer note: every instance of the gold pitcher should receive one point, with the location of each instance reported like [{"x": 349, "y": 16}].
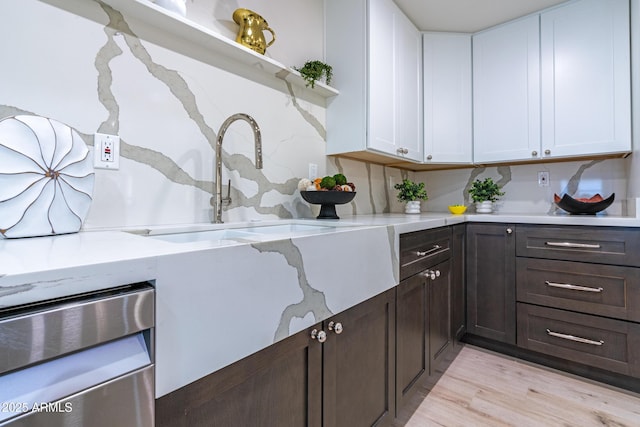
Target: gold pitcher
[{"x": 251, "y": 30}]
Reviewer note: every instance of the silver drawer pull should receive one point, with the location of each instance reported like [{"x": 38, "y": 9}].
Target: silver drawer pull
[
  {"x": 573, "y": 287},
  {"x": 574, "y": 338},
  {"x": 434, "y": 248},
  {"x": 573, "y": 245}
]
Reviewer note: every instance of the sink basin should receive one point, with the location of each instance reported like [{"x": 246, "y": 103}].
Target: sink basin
[
  {"x": 229, "y": 236},
  {"x": 289, "y": 229},
  {"x": 215, "y": 237}
]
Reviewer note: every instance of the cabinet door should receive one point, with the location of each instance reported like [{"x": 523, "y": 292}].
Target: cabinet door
[
  {"x": 458, "y": 288},
  {"x": 506, "y": 92},
  {"x": 408, "y": 86},
  {"x": 279, "y": 386},
  {"x": 382, "y": 117},
  {"x": 491, "y": 287},
  {"x": 439, "y": 315},
  {"x": 447, "y": 98},
  {"x": 395, "y": 112},
  {"x": 586, "y": 95},
  {"x": 412, "y": 360},
  {"x": 359, "y": 365}
]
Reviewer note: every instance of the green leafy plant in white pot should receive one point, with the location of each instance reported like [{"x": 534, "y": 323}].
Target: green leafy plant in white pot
[
  {"x": 484, "y": 193},
  {"x": 313, "y": 71},
  {"x": 412, "y": 194}
]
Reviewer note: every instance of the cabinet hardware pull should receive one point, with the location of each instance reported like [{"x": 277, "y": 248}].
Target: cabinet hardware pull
[
  {"x": 430, "y": 274},
  {"x": 573, "y": 245},
  {"x": 434, "y": 248},
  {"x": 321, "y": 336},
  {"x": 509, "y": 231},
  {"x": 335, "y": 327},
  {"x": 573, "y": 287},
  {"x": 547, "y": 152},
  {"x": 429, "y": 157},
  {"x": 534, "y": 153},
  {"x": 574, "y": 338}
]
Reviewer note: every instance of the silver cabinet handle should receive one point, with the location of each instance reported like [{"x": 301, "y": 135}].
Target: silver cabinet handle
[
  {"x": 573, "y": 245},
  {"x": 335, "y": 327},
  {"x": 434, "y": 248},
  {"x": 431, "y": 274},
  {"x": 321, "y": 336},
  {"x": 429, "y": 157},
  {"x": 509, "y": 231},
  {"x": 574, "y": 338},
  {"x": 402, "y": 150},
  {"x": 547, "y": 152},
  {"x": 534, "y": 153},
  {"x": 573, "y": 287}
]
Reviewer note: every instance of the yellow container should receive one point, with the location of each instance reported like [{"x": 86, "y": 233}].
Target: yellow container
[{"x": 457, "y": 209}]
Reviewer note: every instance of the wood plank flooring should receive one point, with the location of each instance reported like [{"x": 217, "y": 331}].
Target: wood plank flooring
[{"x": 482, "y": 388}]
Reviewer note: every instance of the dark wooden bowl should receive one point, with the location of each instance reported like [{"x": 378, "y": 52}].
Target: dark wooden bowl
[
  {"x": 328, "y": 201},
  {"x": 589, "y": 207}
]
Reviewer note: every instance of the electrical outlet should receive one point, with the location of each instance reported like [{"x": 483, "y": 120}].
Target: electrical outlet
[
  {"x": 313, "y": 171},
  {"x": 106, "y": 151},
  {"x": 543, "y": 179}
]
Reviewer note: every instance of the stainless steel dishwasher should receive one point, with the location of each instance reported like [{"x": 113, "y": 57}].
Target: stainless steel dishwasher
[{"x": 86, "y": 360}]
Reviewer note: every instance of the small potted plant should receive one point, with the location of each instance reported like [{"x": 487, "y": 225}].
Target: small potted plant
[
  {"x": 411, "y": 193},
  {"x": 312, "y": 71},
  {"x": 484, "y": 193}
]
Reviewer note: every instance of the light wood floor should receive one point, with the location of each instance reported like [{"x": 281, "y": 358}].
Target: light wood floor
[{"x": 482, "y": 388}]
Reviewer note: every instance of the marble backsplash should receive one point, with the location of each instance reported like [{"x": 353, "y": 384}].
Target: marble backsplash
[
  {"x": 520, "y": 185},
  {"x": 94, "y": 69}
]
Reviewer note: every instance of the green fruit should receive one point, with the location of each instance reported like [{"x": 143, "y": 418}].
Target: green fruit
[
  {"x": 328, "y": 182},
  {"x": 340, "y": 179}
]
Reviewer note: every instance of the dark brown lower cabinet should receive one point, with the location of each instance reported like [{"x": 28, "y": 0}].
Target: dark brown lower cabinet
[
  {"x": 440, "y": 341},
  {"x": 278, "y": 386},
  {"x": 423, "y": 328},
  {"x": 610, "y": 344},
  {"x": 345, "y": 381},
  {"x": 491, "y": 281},
  {"x": 458, "y": 288},
  {"x": 359, "y": 365},
  {"x": 412, "y": 339}
]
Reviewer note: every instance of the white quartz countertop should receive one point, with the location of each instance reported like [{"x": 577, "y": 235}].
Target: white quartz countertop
[
  {"x": 262, "y": 290},
  {"x": 24, "y": 261}
]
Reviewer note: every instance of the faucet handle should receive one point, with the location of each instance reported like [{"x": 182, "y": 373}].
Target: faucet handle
[{"x": 227, "y": 200}]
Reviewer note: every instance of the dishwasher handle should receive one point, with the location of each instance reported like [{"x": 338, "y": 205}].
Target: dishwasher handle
[{"x": 48, "y": 330}]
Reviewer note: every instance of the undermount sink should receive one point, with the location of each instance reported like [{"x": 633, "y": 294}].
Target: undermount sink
[
  {"x": 289, "y": 229},
  {"x": 221, "y": 237},
  {"x": 230, "y": 236}
]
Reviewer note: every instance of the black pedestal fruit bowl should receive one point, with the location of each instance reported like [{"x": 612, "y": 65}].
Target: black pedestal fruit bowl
[{"x": 328, "y": 201}]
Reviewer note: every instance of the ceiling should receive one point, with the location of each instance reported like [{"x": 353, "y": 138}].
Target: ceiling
[{"x": 467, "y": 16}]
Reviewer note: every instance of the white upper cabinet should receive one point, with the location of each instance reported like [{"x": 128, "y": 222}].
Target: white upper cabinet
[
  {"x": 506, "y": 92},
  {"x": 408, "y": 86},
  {"x": 447, "y": 98},
  {"x": 586, "y": 93},
  {"x": 376, "y": 55},
  {"x": 554, "y": 84}
]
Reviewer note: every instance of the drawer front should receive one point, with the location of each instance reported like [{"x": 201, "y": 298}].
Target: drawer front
[
  {"x": 603, "y": 245},
  {"x": 423, "y": 249},
  {"x": 605, "y": 290},
  {"x": 609, "y": 344}
]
